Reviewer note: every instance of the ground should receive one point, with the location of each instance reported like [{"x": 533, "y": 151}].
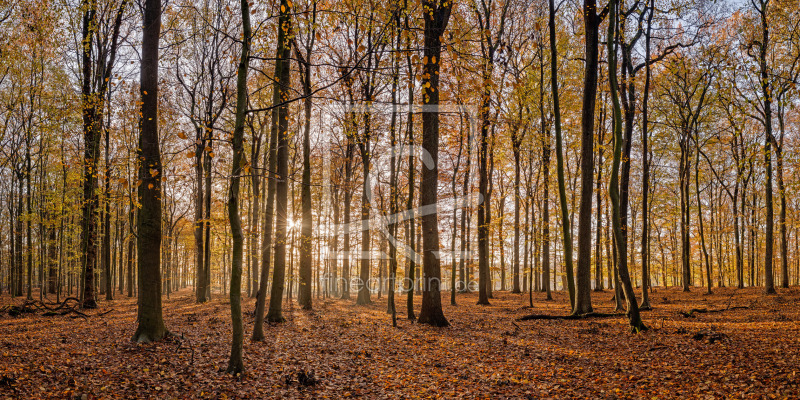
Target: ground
[{"x": 353, "y": 351}]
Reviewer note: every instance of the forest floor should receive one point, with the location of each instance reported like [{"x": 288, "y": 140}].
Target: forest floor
[{"x": 353, "y": 351}]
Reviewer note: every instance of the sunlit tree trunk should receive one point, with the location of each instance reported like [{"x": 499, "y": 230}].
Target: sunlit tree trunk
[
  {"x": 275, "y": 313},
  {"x": 235, "y": 364}
]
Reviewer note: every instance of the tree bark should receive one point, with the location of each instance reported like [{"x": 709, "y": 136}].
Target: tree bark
[
  {"x": 235, "y": 364},
  {"x": 436, "y": 15},
  {"x": 151, "y": 323},
  {"x": 275, "y": 313}
]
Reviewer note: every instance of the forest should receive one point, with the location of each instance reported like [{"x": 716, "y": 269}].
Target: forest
[{"x": 400, "y": 199}]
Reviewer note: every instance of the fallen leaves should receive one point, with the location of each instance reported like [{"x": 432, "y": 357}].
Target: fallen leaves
[{"x": 340, "y": 350}]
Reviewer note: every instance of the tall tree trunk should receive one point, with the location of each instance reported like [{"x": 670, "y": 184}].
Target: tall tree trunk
[
  {"x": 365, "y": 259},
  {"x": 590, "y": 89},
  {"x": 235, "y": 364},
  {"x": 200, "y": 280},
  {"x": 583, "y": 299},
  {"x": 267, "y": 228},
  {"x": 546, "y": 140},
  {"x": 436, "y": 17},
  {"x": 91, "y": 129},
  {"x": 411, "y": 224},
  {"x": 782, "y": 196},
  {"x": 700, "y": 211},
  {"x": 645, "y": 246},
  {"x": 483, "y": 188},
  {"x": 598, "y": 248},
  {"x": 275, "y": 313},
  {"x": 108, "y": 281},
  {"x": 304, "y": 290},
  {"x": 766, "y": 88},
  {"x": 255, "y": 209},
  {"x": 131, "y": 245},
  {"x": 29, "y": 212},
  {"x": 515, "y": 285},
  {"x": 633, "y": 307},
  {"x": 685, "y": 216},
  {"x": 393, "y": 169},
  {"x": 151, "y": 323}
]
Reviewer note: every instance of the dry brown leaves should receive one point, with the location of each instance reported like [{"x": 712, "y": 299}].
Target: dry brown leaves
[{"x": 340, "y": 350}]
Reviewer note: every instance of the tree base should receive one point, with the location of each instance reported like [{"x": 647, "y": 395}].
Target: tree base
[
  {"x": 437, "y": 320},
  {"x": 363, "y": 302},
  {"x": 89, "y": 304},
  {"x": 144, "y": 335},
  {"x": 235, "y": 368},
  {"x": 276, "y": 319},
  {"x": 638, "y": 327}
]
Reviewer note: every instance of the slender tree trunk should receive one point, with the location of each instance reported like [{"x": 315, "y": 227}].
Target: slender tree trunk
[
  {"x": 645, "y": 246},
  {"x": 108, "y": 281},
  {"x": 131, "y": 246},
  {"x": 266, "y": 244},
  {"x": 700, "y": 211},
  {"x": 633, "y": 307},
  {"x": 275, "y": 313},
  {"x": 235, "y": 364},
  {"x": 200, "y": 282},
  {"x": 304, "y": 295},
  {"x": 766, "y": 87},
  {"x": 590, "y": 89},
  {"x": 782, "y": 211}
]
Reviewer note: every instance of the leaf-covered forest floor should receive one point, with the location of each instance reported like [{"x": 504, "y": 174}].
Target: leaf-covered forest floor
[{"x": 353, "y": 351}]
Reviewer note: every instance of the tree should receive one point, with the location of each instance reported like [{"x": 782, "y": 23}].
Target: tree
[
  {"x": 95, "y": 72},
  {"x": 490, "y": 42},
  {"x": 762, "y": 45},
  {"x": 282, "y": 72},
  {"x": 235, "y": 364},
  {"x": 436, "y": 14},
  {"x": 583, "y": 293},
  {"x": 151, "y": 323},
  {"x": 633, "y": 306},
  {"x": 589, "y": 17},
  {"x": 304, "y": 289},
  {"x": 205, "y": 79}
]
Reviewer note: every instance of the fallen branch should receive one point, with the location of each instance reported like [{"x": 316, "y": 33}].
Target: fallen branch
[
  {"x": 690, "y": 313},
  {"x": 33, "y": 306}
]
